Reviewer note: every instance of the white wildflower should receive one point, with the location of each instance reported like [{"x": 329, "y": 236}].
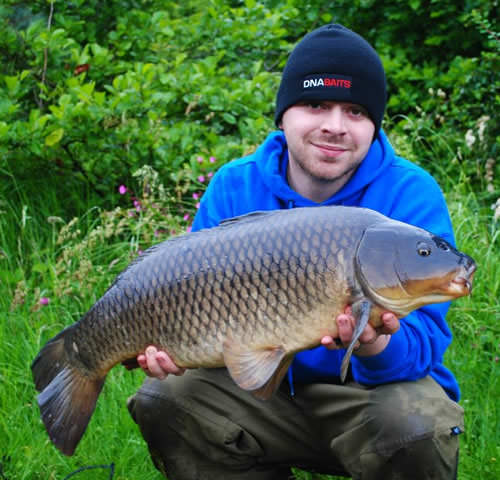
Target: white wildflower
[
  {"x": 470, "y": 138},
  {"x": 53, "y": 219},
  {"x": 481, "y": 126},
  {"x": 490, "y": 168},
  {"x": 496, "y": 208}
]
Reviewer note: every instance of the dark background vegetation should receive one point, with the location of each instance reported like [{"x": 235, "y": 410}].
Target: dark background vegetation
[{"x": 90, "y": 90}]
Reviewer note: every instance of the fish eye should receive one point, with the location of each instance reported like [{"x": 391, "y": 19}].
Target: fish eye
[{"x": 423, "y": 249}]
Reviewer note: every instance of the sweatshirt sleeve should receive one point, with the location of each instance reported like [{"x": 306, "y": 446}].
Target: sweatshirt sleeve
[
  {"x": 213, "y": 206},
  {"x": 418, "y": 347}
]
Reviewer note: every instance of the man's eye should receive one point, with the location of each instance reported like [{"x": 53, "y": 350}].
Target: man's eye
[
  {"x": 314, "y": 105},
  {"x": 357, "y": 112}
]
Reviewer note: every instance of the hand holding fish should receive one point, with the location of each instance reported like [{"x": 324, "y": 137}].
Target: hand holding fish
[
  {"x": 371, "y": 342},
  {"x": 157, "y": 363}
]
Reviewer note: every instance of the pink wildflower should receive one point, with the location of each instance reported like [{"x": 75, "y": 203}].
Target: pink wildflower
[
  {"x": 198, "y": 205},
  {"x": 201, "y": 178},
  {"x": 186, "y": 217},
  {"x": 122, "y": 189},
  {"x": 210, "y": 174},
  {"x": 199, "y": 159},
  {"x": 212, "y": 159},
  {"x": 188, "y": 229},
  {"x": 44, "y": 301},
  {"x": 196, "y": 195}
]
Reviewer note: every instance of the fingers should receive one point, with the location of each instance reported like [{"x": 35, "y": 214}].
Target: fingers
[
  {"x": 156, "y": 363},
  {"x": 141, "y": 360},
  {"x": 167, "y": 364},
  {"x": 153, "y": 369},
  {"x": 346, "y": 324},
  {"x": 331, "y": 343},
  {"x": 390, "y": 323}
]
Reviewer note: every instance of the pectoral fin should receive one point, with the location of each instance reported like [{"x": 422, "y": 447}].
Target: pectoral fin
[
  {"x": 259, "y": 371},
  {"x": 266, "y": 391},
  {"x": 361, "y": 312}
]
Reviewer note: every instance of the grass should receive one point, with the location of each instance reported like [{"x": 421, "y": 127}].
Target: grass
[{"x": 29, "y": 255}]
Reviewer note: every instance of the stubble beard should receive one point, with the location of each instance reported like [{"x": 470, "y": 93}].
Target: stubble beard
[{"x": 325, "y": 178}]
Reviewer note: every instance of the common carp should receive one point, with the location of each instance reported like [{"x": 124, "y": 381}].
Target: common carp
[{"x": 247, "y": 295}]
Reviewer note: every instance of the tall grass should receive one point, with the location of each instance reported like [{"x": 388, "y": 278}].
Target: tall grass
[
  {"x": 29, "y": 253},
  {"x": 475, "y": 352},
  {"x": 34, "y": 263}
]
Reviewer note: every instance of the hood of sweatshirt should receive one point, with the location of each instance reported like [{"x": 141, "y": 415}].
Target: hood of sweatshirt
[{"x": 272, "y": 161}]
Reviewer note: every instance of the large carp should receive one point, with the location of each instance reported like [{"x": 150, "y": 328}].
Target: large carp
[{"x": 247, "y": 295}]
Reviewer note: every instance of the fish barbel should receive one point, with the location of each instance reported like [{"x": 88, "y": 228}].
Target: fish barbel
[{"x": 247, "y": 295}]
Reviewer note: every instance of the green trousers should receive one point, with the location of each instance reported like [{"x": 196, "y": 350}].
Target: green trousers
[{"x": 201, "y": 426}]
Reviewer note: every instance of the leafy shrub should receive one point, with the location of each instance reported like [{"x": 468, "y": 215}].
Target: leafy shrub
[
  {"x": 157, "y": 89},
  {"x": 91, "y": 91}
]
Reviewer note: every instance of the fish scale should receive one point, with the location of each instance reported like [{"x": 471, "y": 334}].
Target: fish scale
[{"x": 246, "y": 295}]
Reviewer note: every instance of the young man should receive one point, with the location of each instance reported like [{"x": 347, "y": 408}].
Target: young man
[{"x": 396, "y": 417}]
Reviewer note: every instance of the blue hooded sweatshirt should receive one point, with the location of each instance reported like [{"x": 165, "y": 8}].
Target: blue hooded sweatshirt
[{"x": 383, "y": 182}]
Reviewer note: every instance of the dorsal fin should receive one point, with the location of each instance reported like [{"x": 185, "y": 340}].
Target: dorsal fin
[{"x": 248, "y": 217}]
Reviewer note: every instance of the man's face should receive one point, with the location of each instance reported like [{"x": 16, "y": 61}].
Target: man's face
[{"x": 326, "y": 142}]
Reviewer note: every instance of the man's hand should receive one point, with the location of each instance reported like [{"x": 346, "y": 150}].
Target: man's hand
[
  {"x": 156, "y": 363},
  {"x": 371, "y": 341}
]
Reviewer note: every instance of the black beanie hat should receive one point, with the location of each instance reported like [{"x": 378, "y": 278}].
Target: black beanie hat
[{"x": 334, "y": 63}]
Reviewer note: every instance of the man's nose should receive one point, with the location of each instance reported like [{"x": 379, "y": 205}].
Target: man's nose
[{"x": 333, "y": 120}]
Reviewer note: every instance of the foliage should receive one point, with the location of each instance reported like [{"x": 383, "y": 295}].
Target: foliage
[
  {"x": 90, "y": 91},
  {"x": 157, "y": 88},
  {"x": 442, "y": 62}
]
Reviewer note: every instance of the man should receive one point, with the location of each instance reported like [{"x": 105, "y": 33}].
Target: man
[{"x": 396, "y": 417}]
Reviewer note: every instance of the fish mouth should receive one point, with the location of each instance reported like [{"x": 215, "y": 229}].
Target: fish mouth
[
  {"x": 463, "y": 281},
  {"x": 462, "y": 284}
]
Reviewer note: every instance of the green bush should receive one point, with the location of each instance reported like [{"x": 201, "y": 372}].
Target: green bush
[
  {"x": 91, "y": 91},
  {"x": 157, "y": 89}
]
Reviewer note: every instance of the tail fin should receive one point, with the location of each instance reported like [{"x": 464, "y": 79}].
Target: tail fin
[{"x": 68, "y": 394}]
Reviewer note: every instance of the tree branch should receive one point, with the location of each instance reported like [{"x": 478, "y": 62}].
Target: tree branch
[{"x": 46, "y": 53}]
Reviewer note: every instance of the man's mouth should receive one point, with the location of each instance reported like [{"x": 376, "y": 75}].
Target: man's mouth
[{"x": 330, "y": 150}]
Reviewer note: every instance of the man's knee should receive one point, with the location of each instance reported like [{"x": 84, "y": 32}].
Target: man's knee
[
  {"x": 432, "y": 457},
  {"x": 413, "y": 432},
  {"x": 188, "y": 438},
  {"x": 411, "y": 411}
]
